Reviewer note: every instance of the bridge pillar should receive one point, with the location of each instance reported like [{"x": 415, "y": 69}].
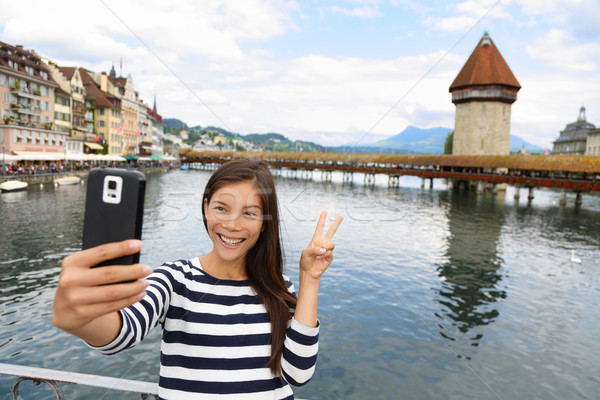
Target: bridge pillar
[
  {"x": 480, "y": 187},
  {"x": 422, "y": 183},
  {"x": 393, "y": 180},
  {"x": 307, "y": 174},
  {"x": 578, "y": 199},
  {"x": 431, "y": 183},
  {"x": 517, "y": 192},
  {"x": 369, "y": 179},
  {"x": 348, "y": 177},
  {"x": 530, "y": 195},
  {"x": 450, "y": 184},
  {"x": 326, "y": 176},
  {"x": 495, "y": 189},
  {"x": 563, "y": 197}
]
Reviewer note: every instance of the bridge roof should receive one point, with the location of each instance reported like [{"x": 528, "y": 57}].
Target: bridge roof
[{"x": 557, "y": 163}]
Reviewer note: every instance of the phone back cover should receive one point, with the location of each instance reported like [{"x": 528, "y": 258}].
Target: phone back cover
[{"x": 106, "y": 222}]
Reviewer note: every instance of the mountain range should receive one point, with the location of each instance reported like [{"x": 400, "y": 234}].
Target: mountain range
[
  {"x": 410, "y": 140},
  {"x": 431, "y": 141}
]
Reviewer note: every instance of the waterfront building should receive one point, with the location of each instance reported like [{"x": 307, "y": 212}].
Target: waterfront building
[
  {"x": 483, "y": 92},
  {"x": 158, "y": 131},
  {"x": 593, "y": 143},
  {"x": 27, "y": 93},
  {"x": 107, "y": 109},
  {"x": 62, "y": 111},
  {"x": 70, "y": 110},
  {"x": 129, "y": 111},
  {"x": 574, "y": 138},
  {"x": 144, "y": 132}
]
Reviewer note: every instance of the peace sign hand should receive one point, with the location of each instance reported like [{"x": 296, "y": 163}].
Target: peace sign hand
[{"x": 319, "y": 254}]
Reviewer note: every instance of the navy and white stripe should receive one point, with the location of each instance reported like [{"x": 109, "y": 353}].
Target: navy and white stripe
[{"x": 215, "y": 337}]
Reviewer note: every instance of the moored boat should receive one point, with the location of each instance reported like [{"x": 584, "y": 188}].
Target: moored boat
[
  {"x": 67, "y": 180},
  {"x": 13, "y": 186}
]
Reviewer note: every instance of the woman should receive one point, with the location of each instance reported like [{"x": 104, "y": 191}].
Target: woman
[{"x": 232, "y": 325}]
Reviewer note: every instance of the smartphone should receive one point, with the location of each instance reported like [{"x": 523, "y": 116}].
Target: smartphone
[{"x": 114, "y": 209}]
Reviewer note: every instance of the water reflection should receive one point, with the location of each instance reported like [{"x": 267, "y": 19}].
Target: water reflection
[{"x": 471, "y": 273}]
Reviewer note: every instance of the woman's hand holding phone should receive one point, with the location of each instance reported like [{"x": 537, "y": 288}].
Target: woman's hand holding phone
[{"x": 87, "y": 299}]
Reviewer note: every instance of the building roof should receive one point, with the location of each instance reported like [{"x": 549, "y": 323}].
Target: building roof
[
  {"x": 485, "y": 67},
  {"x": 24, "y": 58},
  {"x": 101, "y": 98},
  {"x": 67, "y": 72},
  {"x": 576, "y": 131}
]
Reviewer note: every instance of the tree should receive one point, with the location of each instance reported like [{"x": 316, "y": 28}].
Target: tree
[{"x": 448, "y": 143}]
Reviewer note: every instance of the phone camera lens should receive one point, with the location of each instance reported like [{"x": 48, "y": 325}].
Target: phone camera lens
[{"x": 112, "y": 185}]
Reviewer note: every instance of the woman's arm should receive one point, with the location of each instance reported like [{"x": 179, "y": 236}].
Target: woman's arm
[
  {"x": 87, "y": 299},
  {"x": 314, "y": 261}
]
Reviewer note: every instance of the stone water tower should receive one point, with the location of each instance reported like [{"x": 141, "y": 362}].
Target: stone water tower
[{"x": 483, "y": 93}]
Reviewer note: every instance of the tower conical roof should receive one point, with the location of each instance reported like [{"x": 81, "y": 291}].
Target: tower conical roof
[{"x": 485, "y": 66}]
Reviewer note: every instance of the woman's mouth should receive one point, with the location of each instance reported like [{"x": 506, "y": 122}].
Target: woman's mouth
[{"x": 230, "y": 242}]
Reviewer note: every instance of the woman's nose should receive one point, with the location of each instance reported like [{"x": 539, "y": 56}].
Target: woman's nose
[{"x": 232, "y": 223}]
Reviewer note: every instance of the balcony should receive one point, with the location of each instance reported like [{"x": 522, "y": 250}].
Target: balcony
[
  {"x": 79, "y": 109},
  {"x": 27, "y": 109},
  {"x": 26, "y": 93}
]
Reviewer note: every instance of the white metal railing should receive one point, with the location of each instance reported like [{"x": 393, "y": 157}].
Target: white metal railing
[{"x": 53, "y": 377}]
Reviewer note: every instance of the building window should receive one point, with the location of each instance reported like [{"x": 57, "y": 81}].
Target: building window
[{"x": 101, "y": 124}]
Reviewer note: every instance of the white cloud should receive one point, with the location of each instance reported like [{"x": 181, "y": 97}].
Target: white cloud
[
  {"x": 558, "y": 48},
  {"x": 361, "y": 12},
  {"x": 548, "y": 102},
  {"x": 468, "y": 14}
]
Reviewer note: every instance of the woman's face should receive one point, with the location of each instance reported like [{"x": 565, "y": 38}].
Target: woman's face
[{"x": 234, "y": 219}]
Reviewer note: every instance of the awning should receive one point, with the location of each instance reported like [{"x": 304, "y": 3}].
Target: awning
[
  {"x": 6, "y": 157},
  {"x": 39, "y": 156},
  {"x": 155, "y": 158},
  {"x": 130, "y": 158},
  {"x": 93, "y": 146},
  {"x": 144, "y": 159},
  {"x": 109, "y": 157},
  {"x": 79, "y": 157}
]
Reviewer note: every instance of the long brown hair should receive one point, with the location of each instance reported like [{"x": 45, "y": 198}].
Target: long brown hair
[{"x": 264, "y": 261}]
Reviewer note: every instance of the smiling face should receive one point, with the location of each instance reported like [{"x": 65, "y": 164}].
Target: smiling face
[{"x": 234, "y": 220}]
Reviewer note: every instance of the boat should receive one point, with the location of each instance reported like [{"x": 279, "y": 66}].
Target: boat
[
  {"x": 67, "y": 180},
  {"x": 13, "y": 186},
  {"x": 183, "y": 168}
]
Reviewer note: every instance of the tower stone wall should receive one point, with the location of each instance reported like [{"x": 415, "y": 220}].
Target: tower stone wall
[{"x": 482, "y": 128}]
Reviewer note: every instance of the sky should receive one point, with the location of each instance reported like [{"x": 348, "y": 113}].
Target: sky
[{"x": 332, "y": 72}]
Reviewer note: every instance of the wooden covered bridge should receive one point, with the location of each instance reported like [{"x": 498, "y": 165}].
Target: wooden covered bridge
[{"x": 568, "y": 173}]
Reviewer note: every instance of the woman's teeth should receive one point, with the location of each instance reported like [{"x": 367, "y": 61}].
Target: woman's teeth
[{"x": 231, "y": 242}]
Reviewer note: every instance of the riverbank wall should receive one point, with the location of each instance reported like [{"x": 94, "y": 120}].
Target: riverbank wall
[{"x": 43, "y": 179}]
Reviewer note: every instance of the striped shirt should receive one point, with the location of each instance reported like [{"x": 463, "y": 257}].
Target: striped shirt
[{"x": 216, "y": 337}]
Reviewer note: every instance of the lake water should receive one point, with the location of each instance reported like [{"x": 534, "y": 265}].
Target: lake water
[{"x": 432, "y": 294}]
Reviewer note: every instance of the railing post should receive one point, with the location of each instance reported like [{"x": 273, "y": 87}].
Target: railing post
[{"x": 14, "y": 390}]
